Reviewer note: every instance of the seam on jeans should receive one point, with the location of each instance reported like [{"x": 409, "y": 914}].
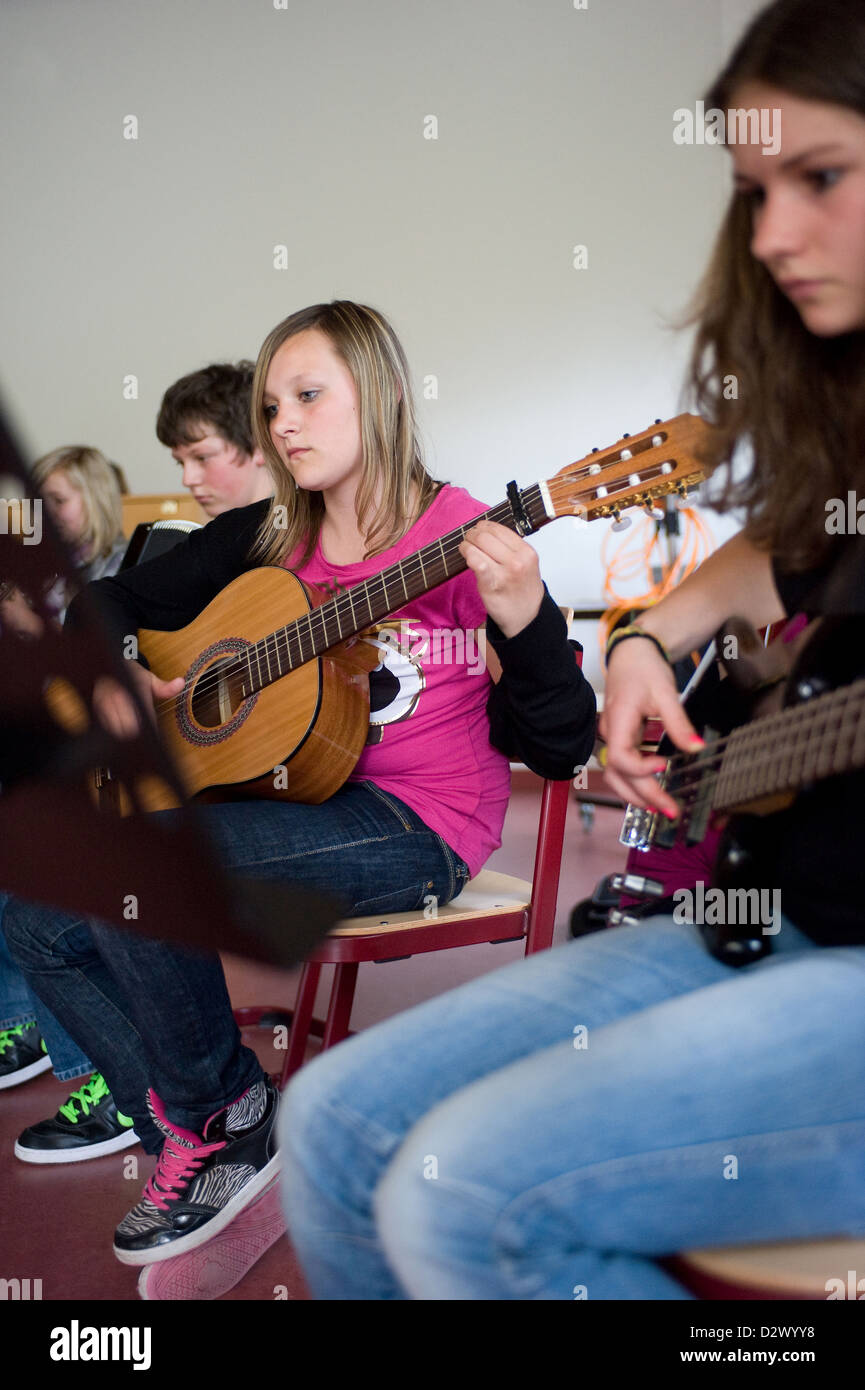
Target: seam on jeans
[
  {"x": 382, "y": 1140},
  {"x": 308, "y": 853},
  {"x": 15, "y": 1021},
  {"x": 388, "y": 801},
  {"x": 74, "y": 1073},
  {"x": 459, "y": 869},
  {"x": 367, "y": 907},
  {"x": 449, "y": 858},
  {"x": 610, "y": 1176},
  {"x": 508, "y": 1232}
]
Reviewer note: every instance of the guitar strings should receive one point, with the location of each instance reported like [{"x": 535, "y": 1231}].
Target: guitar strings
[
  {"x": 343, "y": 605},
  {"x": 310, "y": 628},
  {"x": 816, "y": 720},
  {"x": 314, "y": 624}
]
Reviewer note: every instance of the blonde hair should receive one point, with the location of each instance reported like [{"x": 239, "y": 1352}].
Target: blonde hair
[
  {"x": 91, "y": 474},
  {"x": 393, "y": 468}
]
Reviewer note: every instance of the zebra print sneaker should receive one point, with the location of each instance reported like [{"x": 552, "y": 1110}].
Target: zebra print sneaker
[
  {"x": 215, "y": 1268},
  {"x": 202, "y": 1181}
]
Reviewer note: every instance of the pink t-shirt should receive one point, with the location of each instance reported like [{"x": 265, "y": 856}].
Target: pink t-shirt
[{"x": 428, "y": 738}]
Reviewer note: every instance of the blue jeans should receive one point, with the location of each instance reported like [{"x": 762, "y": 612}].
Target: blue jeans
[
  {"x": 19, "y": 1005},
  {"x": 550, "y": 1130},
  {"x": 153, "y": 1015}
]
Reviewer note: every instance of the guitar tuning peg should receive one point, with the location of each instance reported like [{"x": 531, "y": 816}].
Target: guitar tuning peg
[
  {"x": 621, "y": 523},
  {"x": 655, "y": 513}
]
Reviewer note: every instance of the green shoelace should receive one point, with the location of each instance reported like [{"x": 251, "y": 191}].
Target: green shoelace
[
  {"x": 87, "y": 1098},
  {"x": 8, "y": 1035}
]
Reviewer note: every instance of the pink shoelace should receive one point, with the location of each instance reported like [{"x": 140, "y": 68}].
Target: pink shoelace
[{"x": 177, "y": 1164}]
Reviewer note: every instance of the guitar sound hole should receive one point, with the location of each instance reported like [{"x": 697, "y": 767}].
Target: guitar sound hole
[{"x": 217, "y": 694}]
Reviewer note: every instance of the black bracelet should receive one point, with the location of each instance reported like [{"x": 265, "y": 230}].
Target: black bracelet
[{"x": 623, "y": 633}]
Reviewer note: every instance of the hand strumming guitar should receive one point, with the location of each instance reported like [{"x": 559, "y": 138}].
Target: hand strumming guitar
[
  {"x": 115, "y": 710},
  {"x": 640, "y": 685}
]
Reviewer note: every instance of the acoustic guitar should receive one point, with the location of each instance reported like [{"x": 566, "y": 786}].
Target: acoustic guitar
[{"x": 276, "y": 695}]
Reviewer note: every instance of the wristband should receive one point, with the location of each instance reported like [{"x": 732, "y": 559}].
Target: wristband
[{"x": 622, "y": 634}]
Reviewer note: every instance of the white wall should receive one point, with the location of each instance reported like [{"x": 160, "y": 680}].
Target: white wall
[{"x": 305, "y": 126}]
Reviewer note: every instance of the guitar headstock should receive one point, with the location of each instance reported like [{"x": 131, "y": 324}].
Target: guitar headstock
[{"x": 635, "y": 472}]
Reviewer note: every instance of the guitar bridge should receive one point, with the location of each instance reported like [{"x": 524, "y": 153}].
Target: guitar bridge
[{"x": 638, "y": 828}]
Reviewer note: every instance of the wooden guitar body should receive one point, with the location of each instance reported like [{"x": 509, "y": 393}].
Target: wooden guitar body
[{"x": 298, "y": 738}]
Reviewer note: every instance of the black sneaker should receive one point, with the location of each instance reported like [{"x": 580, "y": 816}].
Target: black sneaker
[
  {"x": 202, "y": 1181},
  {"x": 87, "y": 1125},
  {"x": 22, "y": 1054}
]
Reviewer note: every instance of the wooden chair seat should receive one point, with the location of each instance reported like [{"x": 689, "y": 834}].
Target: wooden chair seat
[
  {"x": 488, "y": 895},
  {"x": 788, "y": 1269},
  {"x": 492, "y": 907}
]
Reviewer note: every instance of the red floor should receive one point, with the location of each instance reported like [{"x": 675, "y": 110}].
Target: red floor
[{"x": 57, "y": 1221}]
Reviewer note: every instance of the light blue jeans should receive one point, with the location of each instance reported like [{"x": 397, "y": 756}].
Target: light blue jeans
[
  {"x": 19, "y": 1005},
  {"x": 552, "y": 1129}
]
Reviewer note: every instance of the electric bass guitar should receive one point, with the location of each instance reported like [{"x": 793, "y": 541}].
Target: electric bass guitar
[
  {"x": 276, "y": 694},
  {"x": 777, "y": 721}
]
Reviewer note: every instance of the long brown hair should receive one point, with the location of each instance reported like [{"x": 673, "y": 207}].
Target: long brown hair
[
  {"x": 392, "y": 458},
  {"x": 756, "y": 371}
]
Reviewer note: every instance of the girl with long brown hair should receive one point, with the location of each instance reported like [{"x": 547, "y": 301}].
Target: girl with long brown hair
[{"x": 554, "y": 1129}]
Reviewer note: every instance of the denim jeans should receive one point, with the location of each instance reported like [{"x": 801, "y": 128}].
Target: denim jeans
[
  {"x": 19, "y": 1005},
  {"x": 154, "y": 1015},
  {"x": 550, "y": 1130}
]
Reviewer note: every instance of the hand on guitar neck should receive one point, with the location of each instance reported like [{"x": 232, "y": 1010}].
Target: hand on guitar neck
[
  {"x": 507, "y": 573},
  {"x": 115, "y": 710}
]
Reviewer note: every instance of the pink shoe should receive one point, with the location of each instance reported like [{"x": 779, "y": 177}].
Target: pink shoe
[{"x": 211, "y": 1269}]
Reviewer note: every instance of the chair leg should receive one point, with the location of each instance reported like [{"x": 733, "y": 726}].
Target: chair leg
[
  {"x": 548, "y": 863},
  {"x": 339, "y": 1009},
  {"x": 300, "y": 1024}
]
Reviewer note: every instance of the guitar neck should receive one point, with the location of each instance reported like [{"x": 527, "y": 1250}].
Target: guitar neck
[
  {"x": 785, "y": 751},
  {"x": 367, "y": 603}
]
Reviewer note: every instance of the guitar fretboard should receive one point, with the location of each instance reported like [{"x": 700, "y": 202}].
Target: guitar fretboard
[
  {"x": 781, "y": 752},
  {"x": 367, "y": 603}
]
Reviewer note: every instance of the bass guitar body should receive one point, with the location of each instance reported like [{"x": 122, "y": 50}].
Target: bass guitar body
[
  {"x": 296, "y": 738},
  {"x": 802, "y": 749}
]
